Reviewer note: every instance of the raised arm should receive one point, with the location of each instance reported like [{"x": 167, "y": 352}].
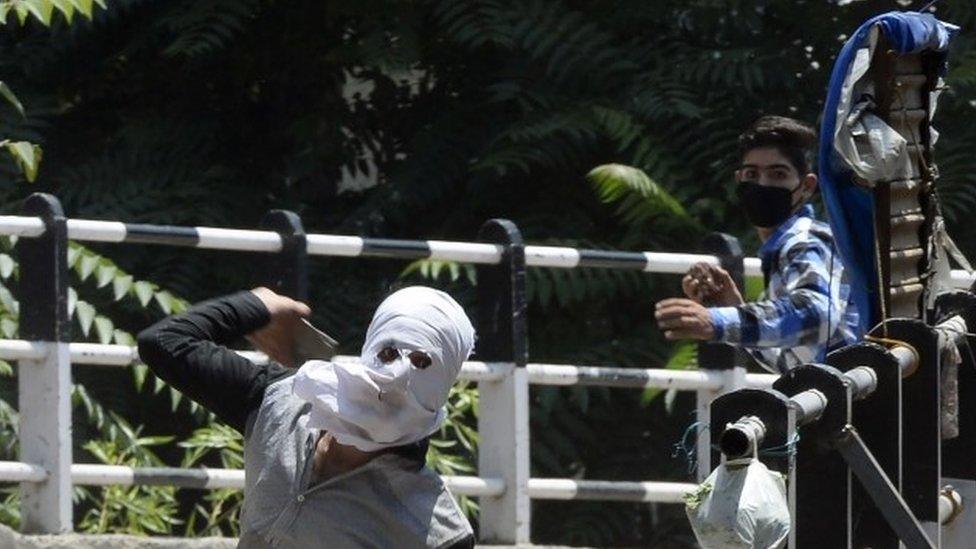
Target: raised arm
[
  {"x": 800, "y": 317},
  {"x": 188, "y": 351}
]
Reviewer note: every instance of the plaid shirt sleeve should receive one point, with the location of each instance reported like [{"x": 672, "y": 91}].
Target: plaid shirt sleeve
[{"x": 798, "y": 317}]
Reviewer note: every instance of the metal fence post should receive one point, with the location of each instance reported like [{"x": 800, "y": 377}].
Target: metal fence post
[
  {"x": 718, "y": 356},
  {"x": 44, "y": 386},
  {"x": 287, "y": 271},
  {"x": 503, "y": 422}
]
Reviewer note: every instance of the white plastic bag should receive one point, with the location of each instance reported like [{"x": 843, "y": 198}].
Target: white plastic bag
[{"x": 741, "y": 504}]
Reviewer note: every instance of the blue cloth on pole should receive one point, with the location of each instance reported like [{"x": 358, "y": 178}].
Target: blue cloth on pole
[{"x": 850, "y": 208}]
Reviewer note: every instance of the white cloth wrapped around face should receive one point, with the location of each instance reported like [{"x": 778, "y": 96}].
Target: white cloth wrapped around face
[{"x": 374, "y": 404}]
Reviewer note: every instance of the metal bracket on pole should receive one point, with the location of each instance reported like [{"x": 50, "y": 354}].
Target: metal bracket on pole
[
  {"x": 881, "y": 490},
  {"x": 822, "y": 482},
  {"x": 45, "y": 385},
  {"x": 778, "y": 417},
  {"x": 503, "y": 451},
  {"x": 287, "y": 271}
]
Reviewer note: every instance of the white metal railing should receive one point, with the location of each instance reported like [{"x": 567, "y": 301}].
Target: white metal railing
[
  {"x": 503, "y": 482},
  {"x": 352, "y": 246},
  {"x": 99, "y": 354},
  {"x": 705, "y": 382}
]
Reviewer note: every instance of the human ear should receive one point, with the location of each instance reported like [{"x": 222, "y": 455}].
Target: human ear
[{"x": 810, "y": 183}]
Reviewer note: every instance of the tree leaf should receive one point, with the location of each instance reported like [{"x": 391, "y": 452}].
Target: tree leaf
[
  {"x": 165, "y": 301},
  {"x": 86, "y": 266},
  {"x": 74, "y": 252},
  {"x": 41, "y": 9},
  {"x": 174, "y": 399},
  {"x": 22, "y": 12},
  {"x": 105, "y": 273},
  {"x": 144, "y": 291},
  {"x": 28, "y": 157},
  {"x": 86, "y": 315},
  {"x": 104, "y": 328},
  {"x": 7, "y": 265},
  {"x": 637, "y": 195},
  {"x": 124, "y": 338},
  {"x": 139, "y": 375},
  {"x": 8, "y": 301},
  {"x": 9, "y": 327},
  {"x": 66, "y": 7},
  {"x": 121, "y": 286},
  {"x": 5, "y": 90},
  {"x": 72, "y": 301},
  {"x": 83, "y": 6}
]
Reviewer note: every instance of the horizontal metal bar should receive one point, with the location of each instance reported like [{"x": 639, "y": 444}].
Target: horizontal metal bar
[
  {"x": 687, "y": 380},
  {"x": 660, "y": 262},
  {"x": 760, "y": 381},
  {"x": 90, "y": 474},
  {"x": 98, "y": 354},
  {"x": 810, "y": 405},
  {"x": 352, "y": 246},
  {"x": 18, "y": 349},
  {"x": 601, "y": 490},
  {"x": 862, "y": 380},
  {"x": 90, "y": 230},
  {"x": 13, "y": 225},
  {"x": 15, "y": 471},
  {"x": 539, "y": 374},
  {"x": 740, "y": 438},
  {"x": 474, "y": 486}
]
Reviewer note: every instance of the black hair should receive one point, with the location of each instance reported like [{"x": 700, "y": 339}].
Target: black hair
[{"x": 793, "y": 139}]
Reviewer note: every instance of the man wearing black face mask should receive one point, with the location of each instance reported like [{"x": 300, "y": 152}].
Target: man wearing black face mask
[{"x": 806, "y": 309}]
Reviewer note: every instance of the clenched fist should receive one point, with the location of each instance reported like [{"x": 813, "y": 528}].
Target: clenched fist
[{"x": 276, "y": 339}]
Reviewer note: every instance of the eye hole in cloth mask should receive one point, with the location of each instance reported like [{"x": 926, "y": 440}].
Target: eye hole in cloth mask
[
  {"x": 419, "y": 359},
  {"x": 413, "y": 351}
]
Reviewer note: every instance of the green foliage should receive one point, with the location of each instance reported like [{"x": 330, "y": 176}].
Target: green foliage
[
  {"x": 129, "y": 509},
  {"x": 642, "y": 204},
  {"x": 216, "y": 514},
  {"x": 27, "y": 155},
  {"x": 44, "y": 10}
]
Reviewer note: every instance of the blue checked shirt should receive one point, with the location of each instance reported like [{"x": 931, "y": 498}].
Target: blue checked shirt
[{"x": 806, "y": 309}]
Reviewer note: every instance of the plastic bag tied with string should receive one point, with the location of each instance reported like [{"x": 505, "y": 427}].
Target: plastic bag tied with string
[{"x": 742, "y": 504}]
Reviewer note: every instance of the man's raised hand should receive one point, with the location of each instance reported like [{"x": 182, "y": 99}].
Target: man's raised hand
[
  {"x": 711, "y": 285},
  {"x": 276, "y": 339},
  {"x": 684, "y": 319}
]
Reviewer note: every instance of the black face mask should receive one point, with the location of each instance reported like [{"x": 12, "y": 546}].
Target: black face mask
[{"x": 765, "y": 207}]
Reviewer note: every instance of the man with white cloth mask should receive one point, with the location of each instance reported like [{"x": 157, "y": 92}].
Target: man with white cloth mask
[{"x": 334, "y": 452}]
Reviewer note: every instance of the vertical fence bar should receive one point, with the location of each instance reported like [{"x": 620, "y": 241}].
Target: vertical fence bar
[
  {"x": 504, "y": 422},
  {"x": 45, "y": 385},
  {"x": 286, "y": 272},
  {"x": 718, "y": 356}
]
